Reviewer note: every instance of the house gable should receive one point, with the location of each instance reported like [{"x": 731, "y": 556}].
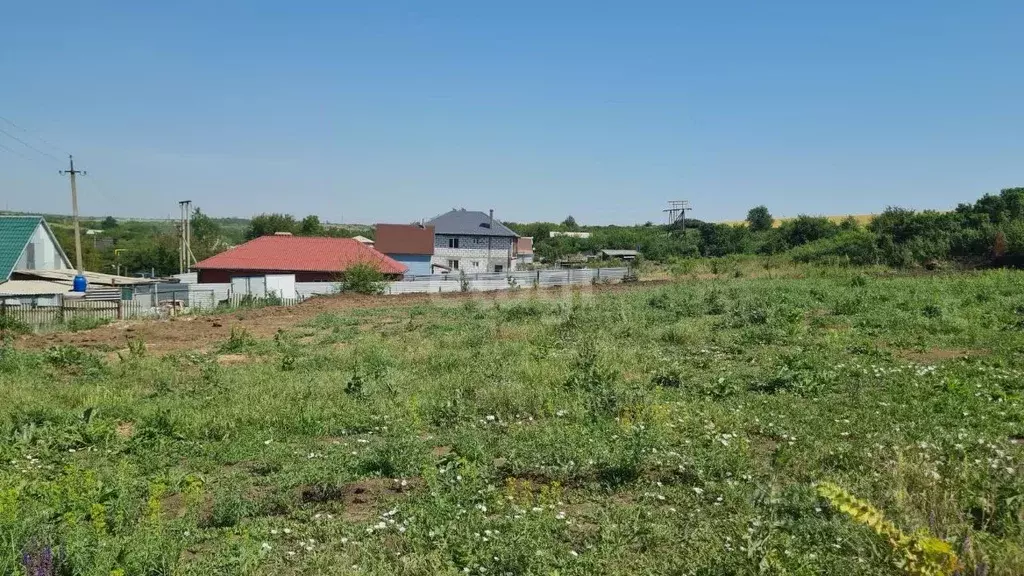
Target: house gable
[{"x": 27, "y": 242}]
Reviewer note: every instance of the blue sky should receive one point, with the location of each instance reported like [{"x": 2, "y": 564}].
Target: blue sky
[{"x": 395, "y": 111}]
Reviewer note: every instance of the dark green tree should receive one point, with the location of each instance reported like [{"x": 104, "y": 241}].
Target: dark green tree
[
  {"x": 206, "y": 235},
  {"x": 268, "y": 224},
  {"x": 759, "y": 219},
  {"x": 570, "y": 223},
  {"x": 109, "y": 223},
  {"x": 311, "y": 226},
  {"x": 804, "y": 229}
]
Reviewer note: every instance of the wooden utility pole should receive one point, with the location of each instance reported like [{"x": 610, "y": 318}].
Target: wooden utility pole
[{"x": 71, "y": 172}]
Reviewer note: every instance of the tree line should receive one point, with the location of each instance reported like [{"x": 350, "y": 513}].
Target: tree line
[
  {"x": 987, "y": 232},
  {"x": 136, "y": 247}
]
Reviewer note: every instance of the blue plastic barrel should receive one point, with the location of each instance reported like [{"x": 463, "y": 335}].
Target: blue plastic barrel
[{"x": 79, "y": 283}]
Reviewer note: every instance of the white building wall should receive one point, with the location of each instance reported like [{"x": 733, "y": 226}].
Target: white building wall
[
  {"x": 41, "y": 253},
  {"x": 472, "y": 253}
]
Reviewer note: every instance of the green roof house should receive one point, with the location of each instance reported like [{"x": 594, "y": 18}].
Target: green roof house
[{"x": 28, "y": 243}]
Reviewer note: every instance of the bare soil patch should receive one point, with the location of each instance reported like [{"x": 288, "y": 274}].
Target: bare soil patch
[
  {"x": 173, "y": 506},
  {"x": 938, "y": 355},
  {"x": 204, "y": 332},
  {"x": 125, "y": 429},
  {"x": 229, "y": 359},
  {"x": 361, "y": 499},
  {"x": 441, "y": 451}
]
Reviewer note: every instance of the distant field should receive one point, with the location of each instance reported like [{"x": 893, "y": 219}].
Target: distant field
[{"x": 862, "y": 219}]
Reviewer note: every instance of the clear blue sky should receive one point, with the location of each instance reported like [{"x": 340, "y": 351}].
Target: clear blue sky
[{"x": 394, "y": 111}]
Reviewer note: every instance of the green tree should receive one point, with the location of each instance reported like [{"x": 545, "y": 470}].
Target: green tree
[
  {"x": 363, "y": 278},
  {"x": 109, "y": 223},
  {"x": 311, "y": 226},
  {"x": 206, "y": 235},
  {"x": 268, "y": 224},
  {"x": 804, "y": 229},
  {"x": 759, "y": 219},
  {"x": 849, "y": 224},
  {"x": 570, "y": 223}
]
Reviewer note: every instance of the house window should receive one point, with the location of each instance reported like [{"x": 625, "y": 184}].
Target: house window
[
  {"x": 498, "y": 267},
  {"x": 453, "y": 242},
  {"x": 475, "y": 263},
  {"x": 453, "y": 264}
]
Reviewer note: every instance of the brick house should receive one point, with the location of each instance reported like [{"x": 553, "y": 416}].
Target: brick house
[{"x": 473, "y": 242}]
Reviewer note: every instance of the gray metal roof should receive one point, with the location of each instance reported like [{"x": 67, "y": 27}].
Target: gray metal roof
[{"x": 469, "y": 223}]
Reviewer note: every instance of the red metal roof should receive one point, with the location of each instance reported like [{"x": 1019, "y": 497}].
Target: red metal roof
[{"x": 300, "y": 254}]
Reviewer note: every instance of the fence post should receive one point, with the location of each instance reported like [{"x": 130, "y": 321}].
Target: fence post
[
  {"x": 62, "y": 308},
  {"x": 598, "y": 273},
  {"x": 120, "y": 310}
]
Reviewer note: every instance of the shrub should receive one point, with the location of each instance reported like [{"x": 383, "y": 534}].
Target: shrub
[
  {"x": 363, "y": 278},
  {"x": 855, "y": 247},
  {"x": 239, "y": 341},
  {"x": 79, "y": 323},
  {"x": 70, "y": 357},
  {"x": 9, "y": 325}
]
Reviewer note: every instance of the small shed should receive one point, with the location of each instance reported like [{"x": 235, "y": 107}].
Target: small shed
[
  {"x": 32, "y": 293},
  {"x": 624, "y": 255}
]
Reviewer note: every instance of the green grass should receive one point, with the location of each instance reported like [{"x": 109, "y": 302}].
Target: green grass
[{"x": 676, "y": 429}]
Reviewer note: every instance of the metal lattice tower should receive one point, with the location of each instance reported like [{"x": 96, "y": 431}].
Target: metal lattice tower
[{"x": 677, "y": 211}]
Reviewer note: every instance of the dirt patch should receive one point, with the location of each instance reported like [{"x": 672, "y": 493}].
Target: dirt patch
[
  {"x": 205, "y": 332},
  {"x": 360, "y": 500},
  {"x": 229, "y": 359},
  {"x": 441, "y": 451},
  {"x": 173, "y": 506},
  {"x": 125, "y": 429},
  {"x": 938, "y": 355}
]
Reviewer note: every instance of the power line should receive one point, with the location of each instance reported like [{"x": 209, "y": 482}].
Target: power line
[
  {"x": 29, "y": 146},
  {"x": 38, "y": 137},
  {"x": 15, "y": 152}
]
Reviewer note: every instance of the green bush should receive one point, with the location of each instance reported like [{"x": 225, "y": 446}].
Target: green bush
[
  {"x": 363, "y": 278},
  {"x": 80, "y": 323},
  {"x": 856, "y": 247},
  {"x": 11, "y": 325}
]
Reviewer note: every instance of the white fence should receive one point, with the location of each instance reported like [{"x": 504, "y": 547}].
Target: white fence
[
  {"x": 206, "y": 296},
  {"x": 504, "y": 281}
]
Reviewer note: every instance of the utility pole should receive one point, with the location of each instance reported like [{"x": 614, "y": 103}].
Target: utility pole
[
  {"x": 185, "y": 257},
  {"x": 71, "y": 172},
  {"x": 677, "y": 212}
]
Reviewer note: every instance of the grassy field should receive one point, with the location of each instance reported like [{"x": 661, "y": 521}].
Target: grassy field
[{"x": 676, "y": 429}]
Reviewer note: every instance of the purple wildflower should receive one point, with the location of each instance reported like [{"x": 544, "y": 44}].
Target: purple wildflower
[{"x": 40, "y": 561}]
